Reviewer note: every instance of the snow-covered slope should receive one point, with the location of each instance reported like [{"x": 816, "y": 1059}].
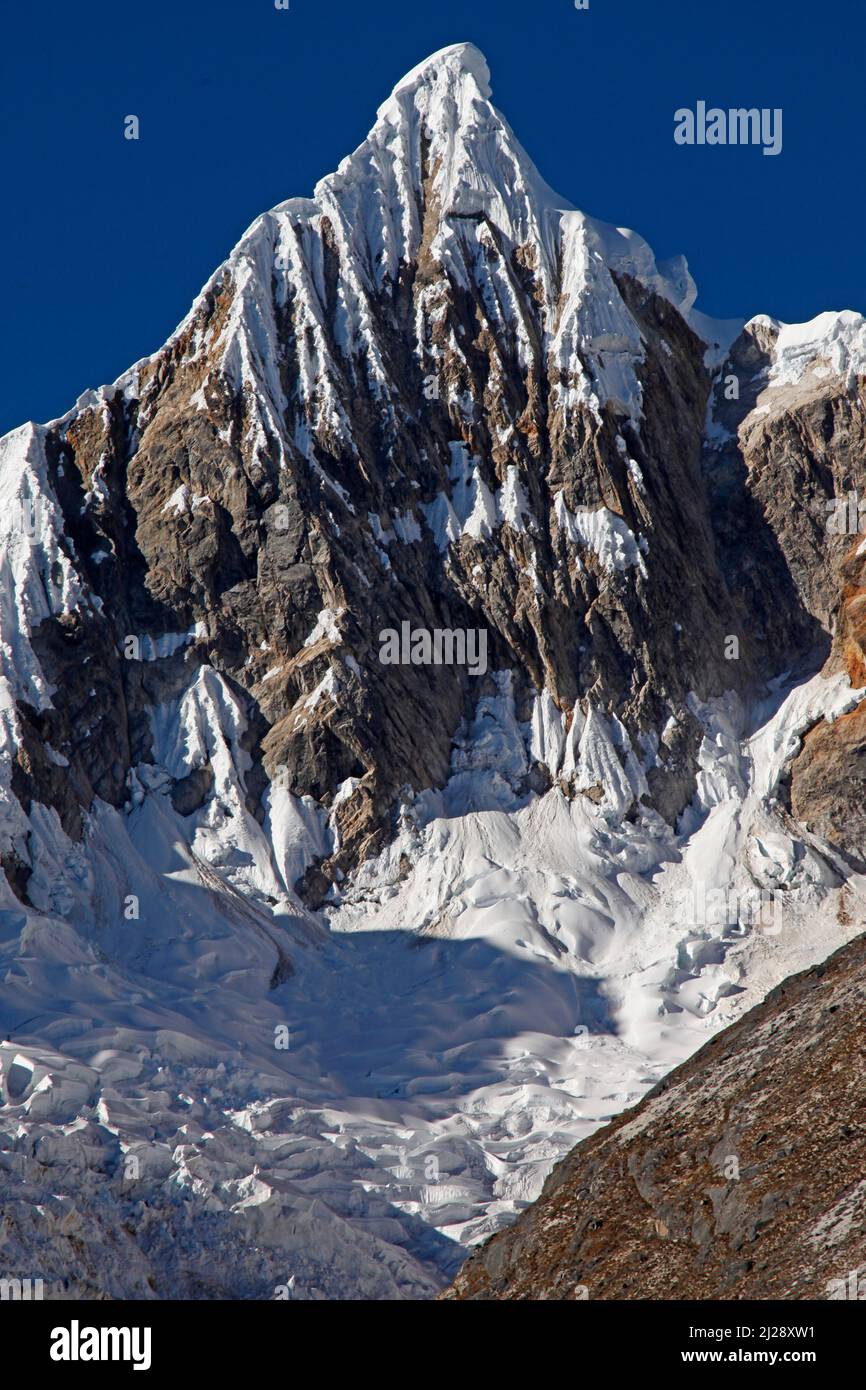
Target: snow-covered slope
[
  {"x": 451, "y": 1036},
  {"x": 311, "y": 966}
]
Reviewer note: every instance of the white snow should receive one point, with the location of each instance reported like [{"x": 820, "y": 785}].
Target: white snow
[
  {"x": 454, "y": 1030},
  {"x": 328, "y": 687},
  {"x": 37, "y": 578},
  {"x": 830, "y": 344},
  {"x": 326, "y": 628},
  {"x": 472, "y": 509},
  {"x": 156, "y": 648},
  {"x": 182, "y": 502},
  {"x": 601, "y": 531}
]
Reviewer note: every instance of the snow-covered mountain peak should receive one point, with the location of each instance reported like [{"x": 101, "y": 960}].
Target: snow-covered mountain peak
[
  {"x": 454, "y": 63},
  {"x": 441, "y": 196},
  {"x": 439, "y": 151}
]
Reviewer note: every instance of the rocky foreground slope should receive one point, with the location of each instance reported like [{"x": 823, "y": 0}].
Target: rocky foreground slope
[{"x": 740, "y": 1176}]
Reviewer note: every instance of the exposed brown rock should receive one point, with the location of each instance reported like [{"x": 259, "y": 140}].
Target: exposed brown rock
[
  {"x": 796, "y": 576},
  {"x": 740, "y": 1176},
  {"x": 828, "y": 783}
]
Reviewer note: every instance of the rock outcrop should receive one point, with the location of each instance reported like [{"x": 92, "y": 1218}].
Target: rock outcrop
[
  {"x": 740, "y": 1176},
  {"x": 784, "y": 462}
]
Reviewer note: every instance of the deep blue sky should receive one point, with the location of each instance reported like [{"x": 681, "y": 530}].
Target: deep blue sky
[{"x": 105, "y": 242}]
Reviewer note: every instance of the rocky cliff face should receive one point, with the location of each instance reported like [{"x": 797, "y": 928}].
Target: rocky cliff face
[
  {"x": 432, "y": 397},
  {"x": 784, "y": 465},
  {"x": 740, "y": 1176}
]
